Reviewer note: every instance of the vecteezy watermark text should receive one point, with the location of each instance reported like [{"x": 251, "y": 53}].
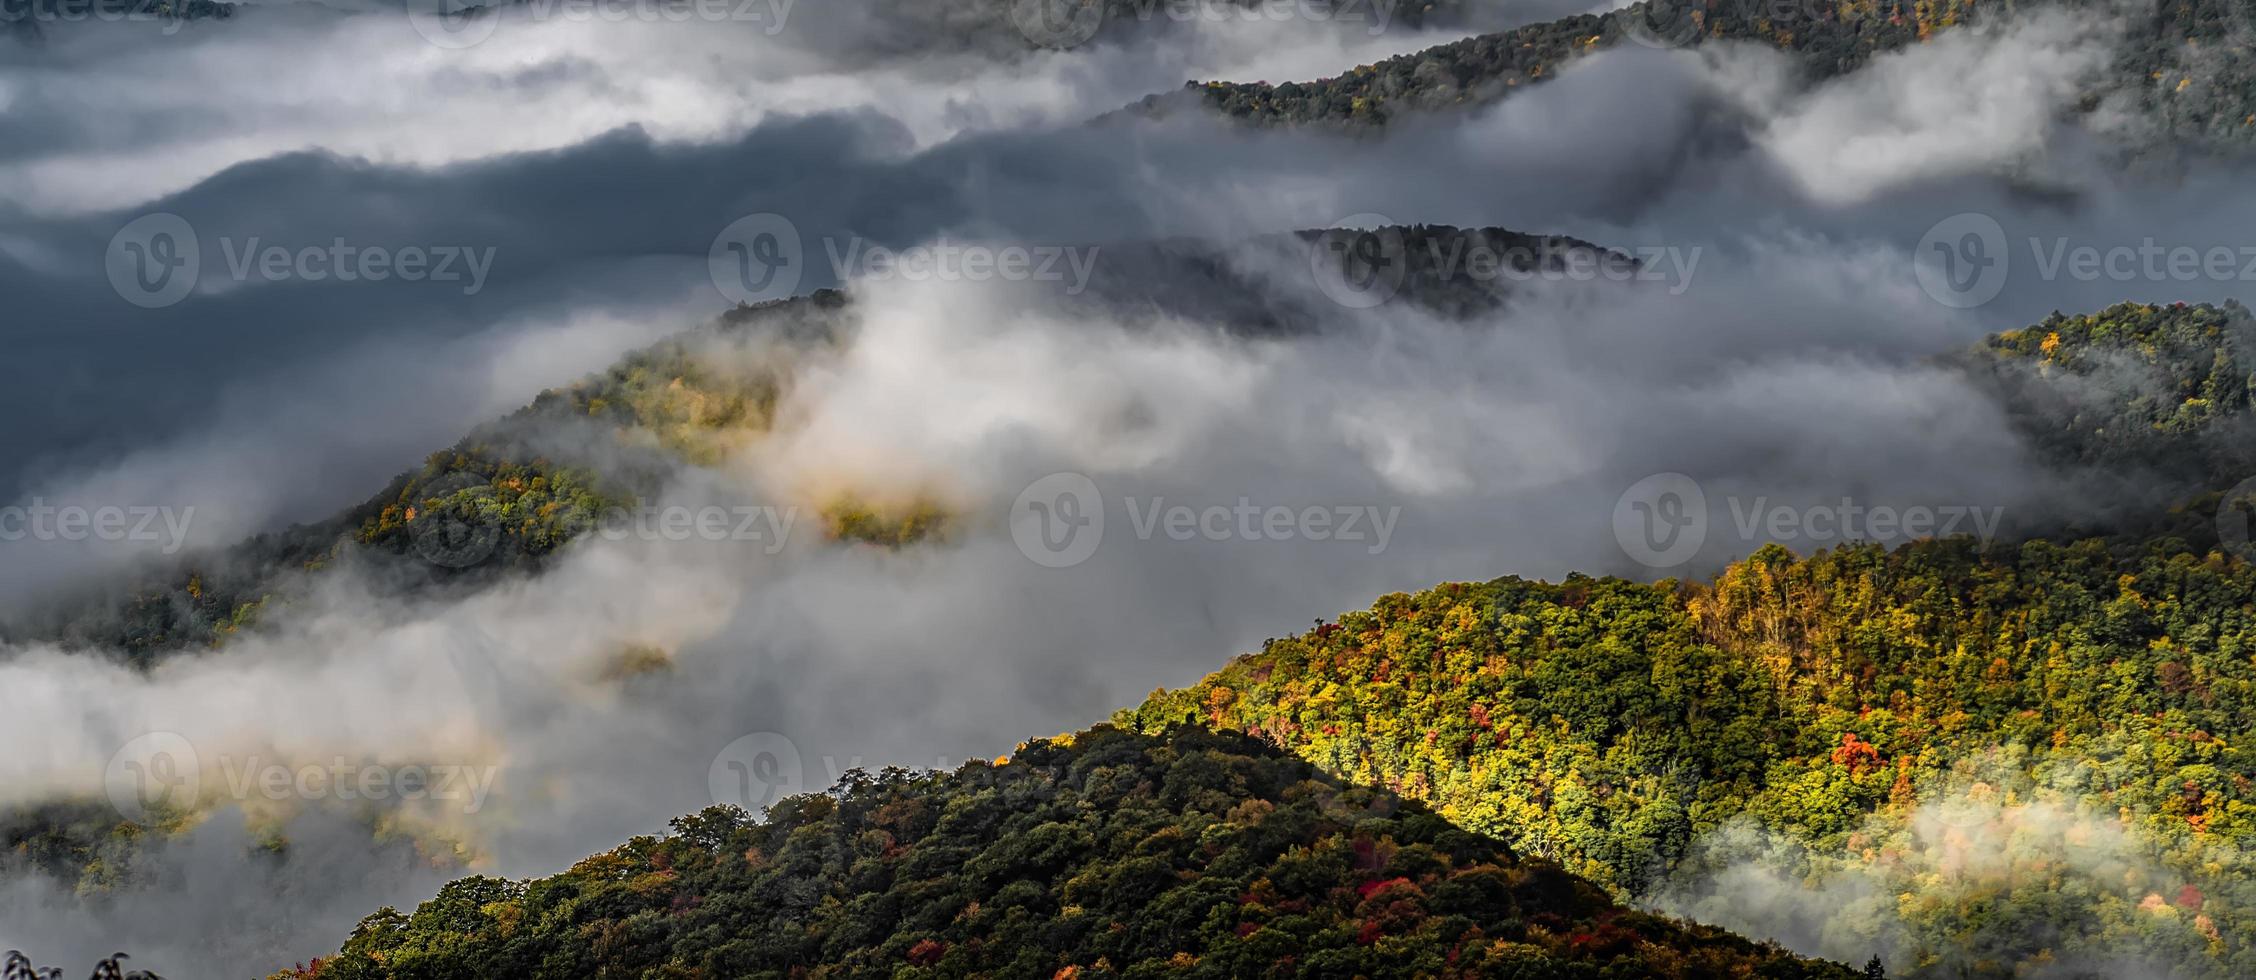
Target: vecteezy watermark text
[
  {"x": 2232, "y": 520},
  {"x": 47, "y": 12},
  {"x": 339, "y": 779},
  {"x": 1369, "y": 259},
  {"x": 757, "y": 770},
  {"x": 946, "y": 261},
  {"x": 1072, "y": 23},
  {"x": 448, "y": 540},
  {"x": 1662, "y": 521},
  {"x": 762, "y": 257},
  {"x": 156, "y": 260},
  {"x": 459, "y": 24},
  {"x": 769, "y": 525},
  {"x": 1059, "y": 520},
  {"x": 162, "y": 772},
  {"x": 1676, "y": 23},
  {"x": 1966, "y": 260},
  {"x": 43, "y": 521}
]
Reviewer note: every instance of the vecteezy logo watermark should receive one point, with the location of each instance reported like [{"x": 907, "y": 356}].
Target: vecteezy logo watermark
[
  {"x": 757, "y": 258},
  {"x": 1961, "y": 261},
  {"x": 42, "y": 521},
  {"x": 453, "y": 24},
  {"x": 1059, "y": 520},
  {"x": 1964, "y": 261},
  {"x": 760, "y": 258},
  {"x": 451, "y": 536},
  {"x": 1361, "y": 264},
  {"x": 161, "y": 773},
  {"x": 153, "y": 774},
  {"x": 768, "y": 525},
  {"x": 1662, "y": 520},
  {"x": 156, "y": 260},
  {"x": 755, "y": 771},
  {"x": 459, "y": 24},
  {"x": 2233, "y": 519},
  {"x": 1663, "y": 23},
  {"x": 1058, "y": 23}
]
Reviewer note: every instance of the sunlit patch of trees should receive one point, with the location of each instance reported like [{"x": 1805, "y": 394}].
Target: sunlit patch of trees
[
  {"x": 2161, "y": 387},
  {"x": 854, "y": 519},
  {"x": 534, "y": 481},
  {"x": 1610, "y": 725}
]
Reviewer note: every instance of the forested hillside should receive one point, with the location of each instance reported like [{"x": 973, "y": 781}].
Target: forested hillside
[
  {"x": 2189, "y": 66},
  {"x": 501, "y": 502},
  {"x": 2037, "y": 747},
  {"x": 511, "y": 493},
  {"x": 1840, "y": 703},
  {"x": 2024, "y": 754},
  {"x": 502, "y": 499},
  {"x": 2162, "y": 388},
  {"x": 1099, "y": 854}
]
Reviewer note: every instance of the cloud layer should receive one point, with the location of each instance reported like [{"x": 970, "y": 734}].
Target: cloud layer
[{"x": 1792, "y": 367}]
